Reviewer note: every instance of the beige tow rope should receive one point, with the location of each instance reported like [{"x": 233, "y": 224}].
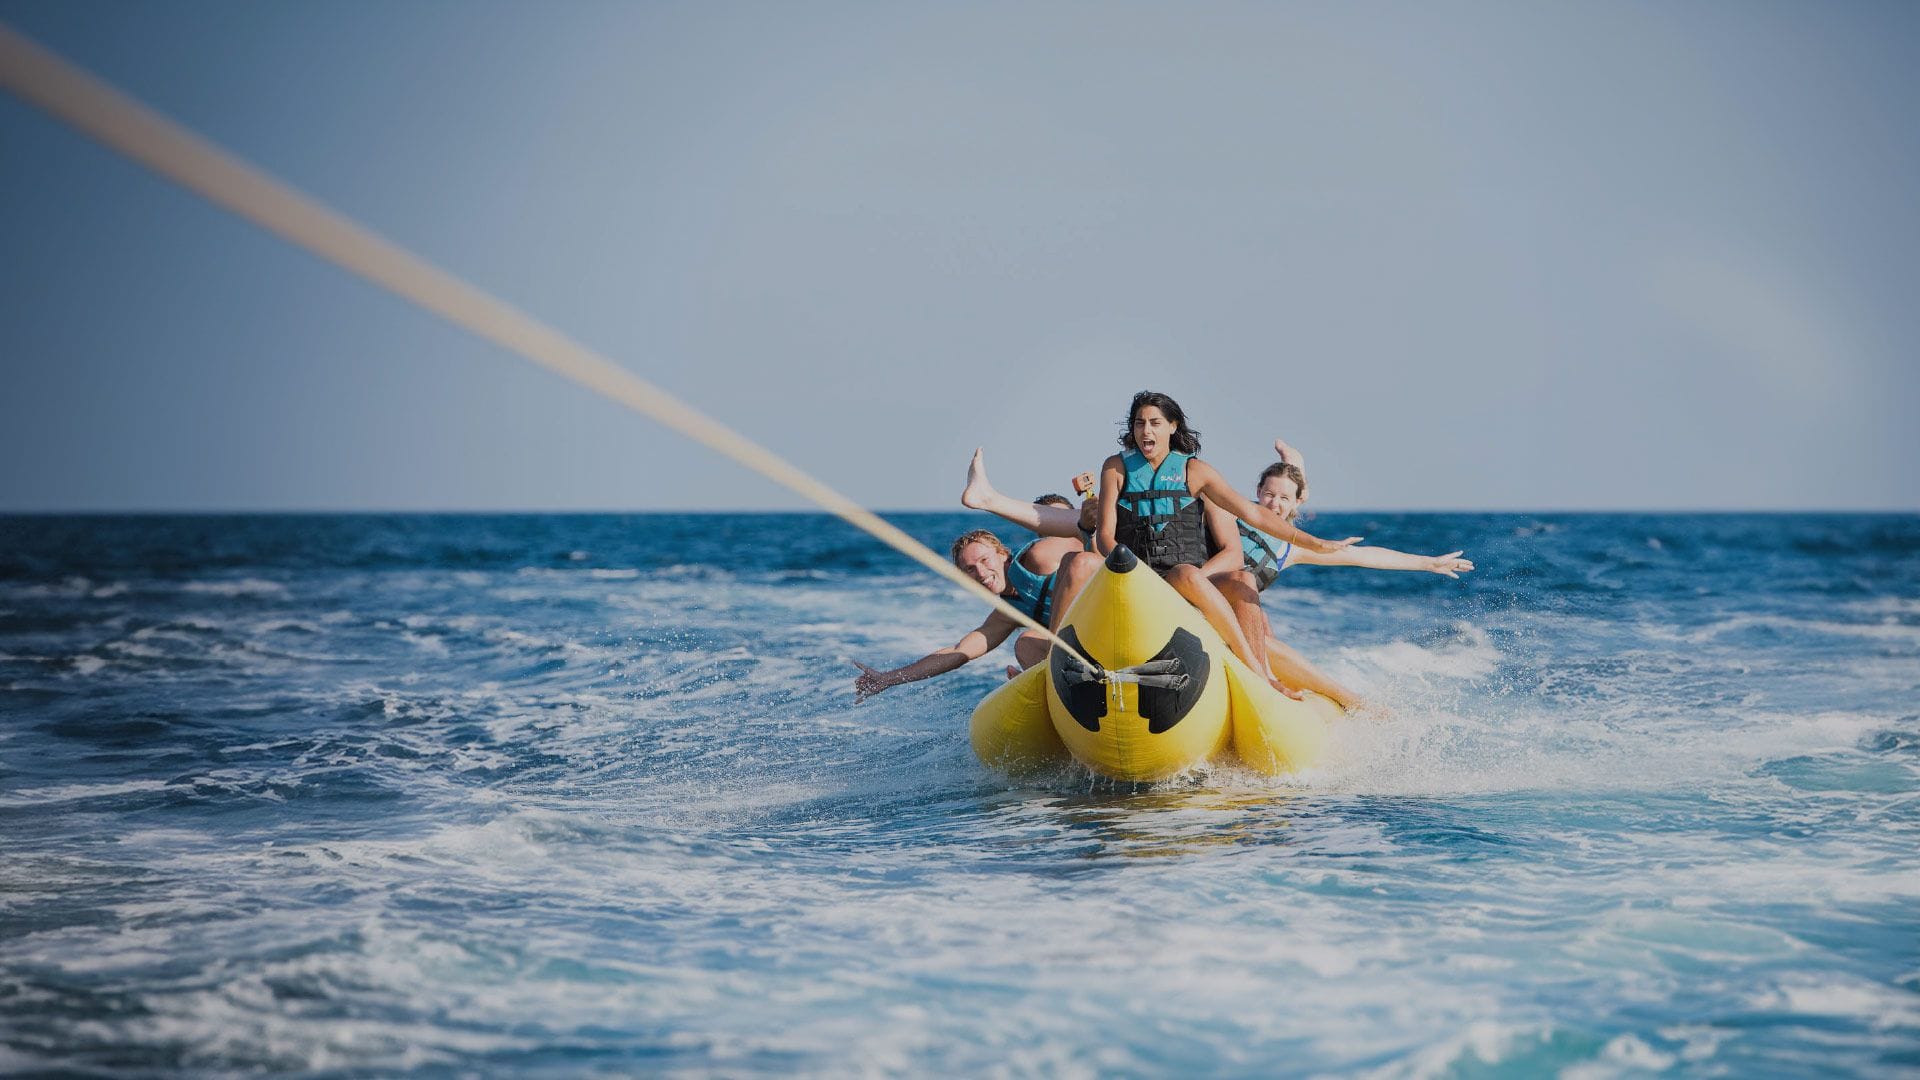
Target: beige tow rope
[{"x": 171, "y": 150}]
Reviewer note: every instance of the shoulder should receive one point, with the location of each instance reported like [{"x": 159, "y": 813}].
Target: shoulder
[
  {"x": 1044, "y": 555},
  {"x": 1117, "y": 462}
]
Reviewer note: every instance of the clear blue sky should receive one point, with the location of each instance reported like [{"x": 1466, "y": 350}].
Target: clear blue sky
[{"x": 1474, "y": 256}]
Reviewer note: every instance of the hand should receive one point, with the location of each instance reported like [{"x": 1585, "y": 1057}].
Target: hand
[
  {"x": 869, "y": 683},
  {"x": 1328, "y": 547},
  {"x": 1450, "y": 564},
  {"x": 1288, "y": 454}
]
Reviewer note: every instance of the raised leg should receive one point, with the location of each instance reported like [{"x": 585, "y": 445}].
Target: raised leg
[{"x": 979, "y": 494}]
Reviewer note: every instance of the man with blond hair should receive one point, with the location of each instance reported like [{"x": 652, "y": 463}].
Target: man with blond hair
[{"x": 1030, "y": 579}]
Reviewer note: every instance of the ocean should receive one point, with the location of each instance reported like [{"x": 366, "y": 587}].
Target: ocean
[{"x": 449, "y": 795}]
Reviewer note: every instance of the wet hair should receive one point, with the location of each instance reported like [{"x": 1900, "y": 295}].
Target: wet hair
[
  {"x": 977, "y": 536},
  {"x": 1286, "y": 471},
  {"x": 1186, "y": 439},
  {"x": 1051, "y": 499}
]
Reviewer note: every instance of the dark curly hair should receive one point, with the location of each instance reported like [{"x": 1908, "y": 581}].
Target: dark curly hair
[{"x": 1186, "y": 439}]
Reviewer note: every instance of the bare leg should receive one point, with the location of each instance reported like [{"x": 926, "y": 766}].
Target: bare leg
[
  {"x": 1189, "y": 582},
  {"x": 1045, "y": 520},
  {"x": 1292, "y": 668},
  {"x": 1029, "y": 649},
  {"x": 1074, "y": 573},
  {"x": 1243, "y": 596}
]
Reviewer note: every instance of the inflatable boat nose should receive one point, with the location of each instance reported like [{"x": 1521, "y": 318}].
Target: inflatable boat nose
[{"x": 1121, "y": 559}]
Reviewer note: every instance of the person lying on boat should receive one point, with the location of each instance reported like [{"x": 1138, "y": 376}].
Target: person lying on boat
[{"x": 1030, "y": 579}]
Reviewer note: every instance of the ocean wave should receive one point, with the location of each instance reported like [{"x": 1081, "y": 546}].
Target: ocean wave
[
  {"x": 235, "y": 587},
  {"x": 66, "y": 793},
  {"x": 1460, "y": 650},
  {"x": 481, "y": 795}
]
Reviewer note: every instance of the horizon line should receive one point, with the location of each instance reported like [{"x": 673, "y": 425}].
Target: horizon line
[{"x": 6, "y": 512}]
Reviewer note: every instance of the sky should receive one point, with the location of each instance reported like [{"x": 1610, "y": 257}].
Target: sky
[{"x": 1557, "y": 256}]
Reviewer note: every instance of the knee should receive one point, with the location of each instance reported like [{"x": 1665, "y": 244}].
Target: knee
[
  {"x": 1029, "y": 649},
  {"x": 1184, "y": 574},
  {"x": 1238, "y": 587},
  {"x": 1082, "y": 566}
]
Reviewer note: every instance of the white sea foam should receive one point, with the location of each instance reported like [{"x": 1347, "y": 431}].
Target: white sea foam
[
  {"x": 136, "y": 649},
  {"x": 235, "y": 587},
  {"x": 430, "y": 644},
  {"x": 1471, "y": 656},
  {"x": 1807, "y": 995},
  {"x": 48, "y": 796},
  {"x": 1485, "y": 1042},
  {"x": 1881, "y": 630},
  {"x": 14, "y": 1062}
]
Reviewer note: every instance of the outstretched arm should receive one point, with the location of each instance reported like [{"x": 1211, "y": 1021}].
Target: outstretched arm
[
  {"x": 1379, "y": 558},
  {"x": 1204, "y": 480},
  {"x": 979, "y": 494},
  {"x": 979, "y": 641}
]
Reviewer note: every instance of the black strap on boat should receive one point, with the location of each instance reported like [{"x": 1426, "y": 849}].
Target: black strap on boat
[{"x": 1087, "y": 689}]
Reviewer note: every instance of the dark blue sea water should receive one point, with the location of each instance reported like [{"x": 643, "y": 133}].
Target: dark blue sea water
[{"x": 590, "y": 795}]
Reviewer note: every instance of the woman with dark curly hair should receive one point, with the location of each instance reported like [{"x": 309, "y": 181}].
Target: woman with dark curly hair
[{"x": 1154, "y": 497}]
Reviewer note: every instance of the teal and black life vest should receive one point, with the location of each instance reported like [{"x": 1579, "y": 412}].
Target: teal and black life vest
[
  {"x": 1028, "y": 591},
  {"x": 1157, "y": 518},
  {"x": 1262, "y": 561}
]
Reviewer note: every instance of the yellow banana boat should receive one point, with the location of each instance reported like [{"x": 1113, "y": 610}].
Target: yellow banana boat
[{"x": 1165, "y": 694}]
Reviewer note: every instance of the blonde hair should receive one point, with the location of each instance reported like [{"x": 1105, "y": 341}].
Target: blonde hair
[
  {"x": 1286, "y": 470},
  {"x": 977, "y": 536}
]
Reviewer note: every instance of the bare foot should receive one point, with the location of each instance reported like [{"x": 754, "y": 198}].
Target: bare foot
[
  {"x": 1288, "y": 454},
  {"x": 1013, "y": 672},
  {"x": 1368, "y": 709},
  {"x": 978, "y": 492},
  {"x": 1294, "y": 694}
]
